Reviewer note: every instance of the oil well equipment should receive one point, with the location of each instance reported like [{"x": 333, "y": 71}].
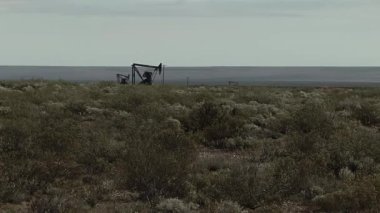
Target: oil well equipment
[
  {"x": 122, "y": 79},
  {"x": 143, "y": 74}
]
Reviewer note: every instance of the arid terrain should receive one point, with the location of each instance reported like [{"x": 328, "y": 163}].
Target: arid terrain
[{"x": 103, "y": 147}]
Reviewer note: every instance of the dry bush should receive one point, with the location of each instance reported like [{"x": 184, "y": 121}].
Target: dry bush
[
  {"x": 174, "y": 205},
  {"x": 57, "y": 204},
  {"x": 158, "y": 164},
  {"x": 368, "y": 114},
  {"x": 229, "y": 207},
  {"x": 356, "y": 196},
  {"x": 215, "y": 123},
  {"x": 318, "y": 146}
]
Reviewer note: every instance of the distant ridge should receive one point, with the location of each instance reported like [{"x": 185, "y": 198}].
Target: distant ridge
[{"x": 220, "y": 75}]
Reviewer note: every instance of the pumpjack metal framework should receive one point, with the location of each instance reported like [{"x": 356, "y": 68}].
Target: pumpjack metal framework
[{"x": 146, "y": 77}]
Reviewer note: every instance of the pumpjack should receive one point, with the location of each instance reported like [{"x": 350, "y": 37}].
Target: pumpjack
[
  {"x": 146, "y": 77},
  {"x": 122, "y": 79}
]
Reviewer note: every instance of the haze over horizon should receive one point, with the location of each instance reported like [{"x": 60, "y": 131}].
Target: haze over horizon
[{"x": 190, "y": 32}]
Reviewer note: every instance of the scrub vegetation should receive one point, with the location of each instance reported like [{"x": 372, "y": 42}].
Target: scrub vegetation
[{"x": 103, "y": 147}]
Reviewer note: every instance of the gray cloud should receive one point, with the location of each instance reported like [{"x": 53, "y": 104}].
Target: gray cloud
[
  {"x": 250, "y": 32},
  {"x": 200, "y": 8}
]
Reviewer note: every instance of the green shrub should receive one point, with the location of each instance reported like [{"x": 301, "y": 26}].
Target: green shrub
[
  {"x": 248, "y": 185},
  {"x": 215, "y": 123},
  {"x": 158, "y": 164},
  {"x": 59, "y": 138},
  {"x": 312, "y": 118},
  {"x": 229, "y": 207},
  {"x": 107, "y": 147},
  {"x": 77, "y": 107},
  {"x": 56, "y": 204},
  {"x": 14, "y": 140},
  {"x": 368, "y": 114},
  {"x": 174, "y": 205},
  {"x": 361, "y": 195}
]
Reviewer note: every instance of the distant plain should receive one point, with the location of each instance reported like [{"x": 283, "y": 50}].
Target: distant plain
[{"x": 272, "y": 76}]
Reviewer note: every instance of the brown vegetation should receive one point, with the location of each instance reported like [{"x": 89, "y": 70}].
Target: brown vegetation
[{"x": 113, "y": 148}]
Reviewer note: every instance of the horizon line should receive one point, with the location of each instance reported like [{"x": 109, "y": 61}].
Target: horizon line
[{"x": 206, "y": 66}]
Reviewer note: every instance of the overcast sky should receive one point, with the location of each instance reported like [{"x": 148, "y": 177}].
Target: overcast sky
[{"x": 190, "y": 32}]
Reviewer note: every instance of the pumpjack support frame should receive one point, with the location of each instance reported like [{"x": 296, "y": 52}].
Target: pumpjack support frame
[{"x": 147, "y": 77}]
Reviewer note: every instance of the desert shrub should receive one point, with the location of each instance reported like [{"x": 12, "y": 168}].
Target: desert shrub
[
  {"x": 203, "y": 95},
  {"x": 282, "y": 124},
  {"x": 131, "y": 98},
  {"x": 76, "y": 107},
  {"x": 367, "y": 92},
  {"x": 174, "y": 205},
  {"x": 305, "y": 143},
  {"x": 267, "y": 150},
  {"x": 311, "y": 128},
  {"x": 103, "y": 142},
  {"x": 153, "y": 111},
  {"x": 348, "y": 153},
  {"x": 212, "y": 164},
  {"x": 137, "y": 99},
  {"x": 355, "y": 148},
  {"x": 229, "y": 207},
  {"x": 15, "y": 166},
  {"x": 357, "y": 196},
  {"x": 57, "y": 203},
  {"x": 262, "y": 95},
  {"x": 99, "y": 151},
  {"x": 368, "y": 114},
  {"x": 35, "y": 149},
  {"x": 235, "y": 143},
  {"x": 215, "y": 123},
  {"x": 286, "y": 174},
  {"x": 204, "y": 116},
  {"x": 96, "y": 160},
  {"x": 24, "y": 178},
  {"x": 249, "y": 185},
  {"x": 174, "y": 95},
  {"x": 10, "y": 192},
  {"x": 59, "y": 138},
  {"x": 312, "y": 118},
  {"x": 14, "y": 139},
  {"x": 158, "y": 164}
]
